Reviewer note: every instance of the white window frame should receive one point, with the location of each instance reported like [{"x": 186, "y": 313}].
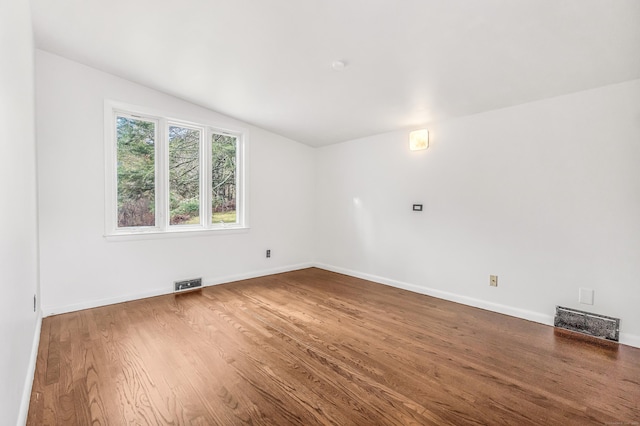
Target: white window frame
[
  {"x": 203, "y": 174},
  {"x": 162, "y": 227}
]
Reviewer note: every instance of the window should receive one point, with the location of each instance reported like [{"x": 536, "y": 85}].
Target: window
[
  {"x": 184, "y": 175},
  {"x": 166, "y": 175},
  {"x": 224, "y": 154},
  {"x": 136, "y": 175}
]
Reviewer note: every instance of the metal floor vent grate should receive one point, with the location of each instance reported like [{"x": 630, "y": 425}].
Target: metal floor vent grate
[
  {"x": 187, "y": 284},
  {"x": 587, "y": 323}
]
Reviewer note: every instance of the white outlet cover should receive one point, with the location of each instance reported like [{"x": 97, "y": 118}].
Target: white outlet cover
[{"x": 585, "y": 296}]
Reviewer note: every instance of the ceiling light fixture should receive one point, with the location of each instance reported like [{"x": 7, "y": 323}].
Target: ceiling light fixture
[
  {"x": 338, "y": 65},
  {"x": 419, "y": 139}
]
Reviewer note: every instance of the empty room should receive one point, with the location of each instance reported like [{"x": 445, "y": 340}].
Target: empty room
[{"x": 226, "y": 212}]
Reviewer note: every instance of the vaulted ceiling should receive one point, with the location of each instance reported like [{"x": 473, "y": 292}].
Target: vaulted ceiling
[{"x": 408, "y": 62}]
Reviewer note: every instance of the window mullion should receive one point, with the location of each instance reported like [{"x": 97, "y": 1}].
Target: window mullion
[
  {"x": 239, "y": 179},
  {"x": 206, "y": 170},
  {"x": 162, "y": 167},
  {"x": 112, "y": 171}
]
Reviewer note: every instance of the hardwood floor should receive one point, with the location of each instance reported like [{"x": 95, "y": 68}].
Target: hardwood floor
[{"x": 313, "y": 347}]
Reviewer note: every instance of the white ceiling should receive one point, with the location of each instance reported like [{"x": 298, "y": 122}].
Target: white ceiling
[{"x": 409, "y": 62}]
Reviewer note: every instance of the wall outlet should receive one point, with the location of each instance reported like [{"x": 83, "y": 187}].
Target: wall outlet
[
  {"x": 268, "y": 254},
  {"x": 493, "y": 280},
  {"x": 187, "y": 284}
]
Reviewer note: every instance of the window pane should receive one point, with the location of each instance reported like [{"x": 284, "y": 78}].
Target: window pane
[
  {"x": 223, "y": 172},
  {"x": 136, "y": 172},
  {"x": 184, "y": 176}
]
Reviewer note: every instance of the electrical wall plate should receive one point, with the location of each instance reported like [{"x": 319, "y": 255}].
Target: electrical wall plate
[
  {"x": 585, "y": 296},
  {"x": 417, "y": 207}
]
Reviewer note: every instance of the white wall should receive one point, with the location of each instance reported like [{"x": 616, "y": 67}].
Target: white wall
[
  {"x": 546, "y": 195},
  {"x": 79, "y": 268},
  {"x": 18, "y": 228}
]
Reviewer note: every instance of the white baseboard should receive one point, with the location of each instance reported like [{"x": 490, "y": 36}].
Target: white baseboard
[
  {"x": 542, "y": 318},
  {"x": 56, "y": 310},
  {"x": 260, "y": 273},
  {"x": 453, "y": 297},
  {"x": 625, "y": 338},
  {"x": 31, "y": 372},
  {"x": 48, "y": 311},
  {"x": 630, "y": 339}
]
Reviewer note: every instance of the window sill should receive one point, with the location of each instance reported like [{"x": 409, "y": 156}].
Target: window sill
[{"x": 178, "y": 233}]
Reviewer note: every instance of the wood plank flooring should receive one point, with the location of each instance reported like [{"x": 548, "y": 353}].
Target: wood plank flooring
[{"x": 312, "y": 347}]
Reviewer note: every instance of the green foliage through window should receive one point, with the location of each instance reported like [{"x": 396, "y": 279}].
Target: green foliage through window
[
  {"x": 184, "y": 175},
  {"x": 171, "y": 175},
  {"x": 223, "y": 174},
  {"x": 136, "y": 172}
]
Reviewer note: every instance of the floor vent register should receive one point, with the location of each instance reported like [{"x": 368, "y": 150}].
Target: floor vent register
[{"x": 587, "y": 323}]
